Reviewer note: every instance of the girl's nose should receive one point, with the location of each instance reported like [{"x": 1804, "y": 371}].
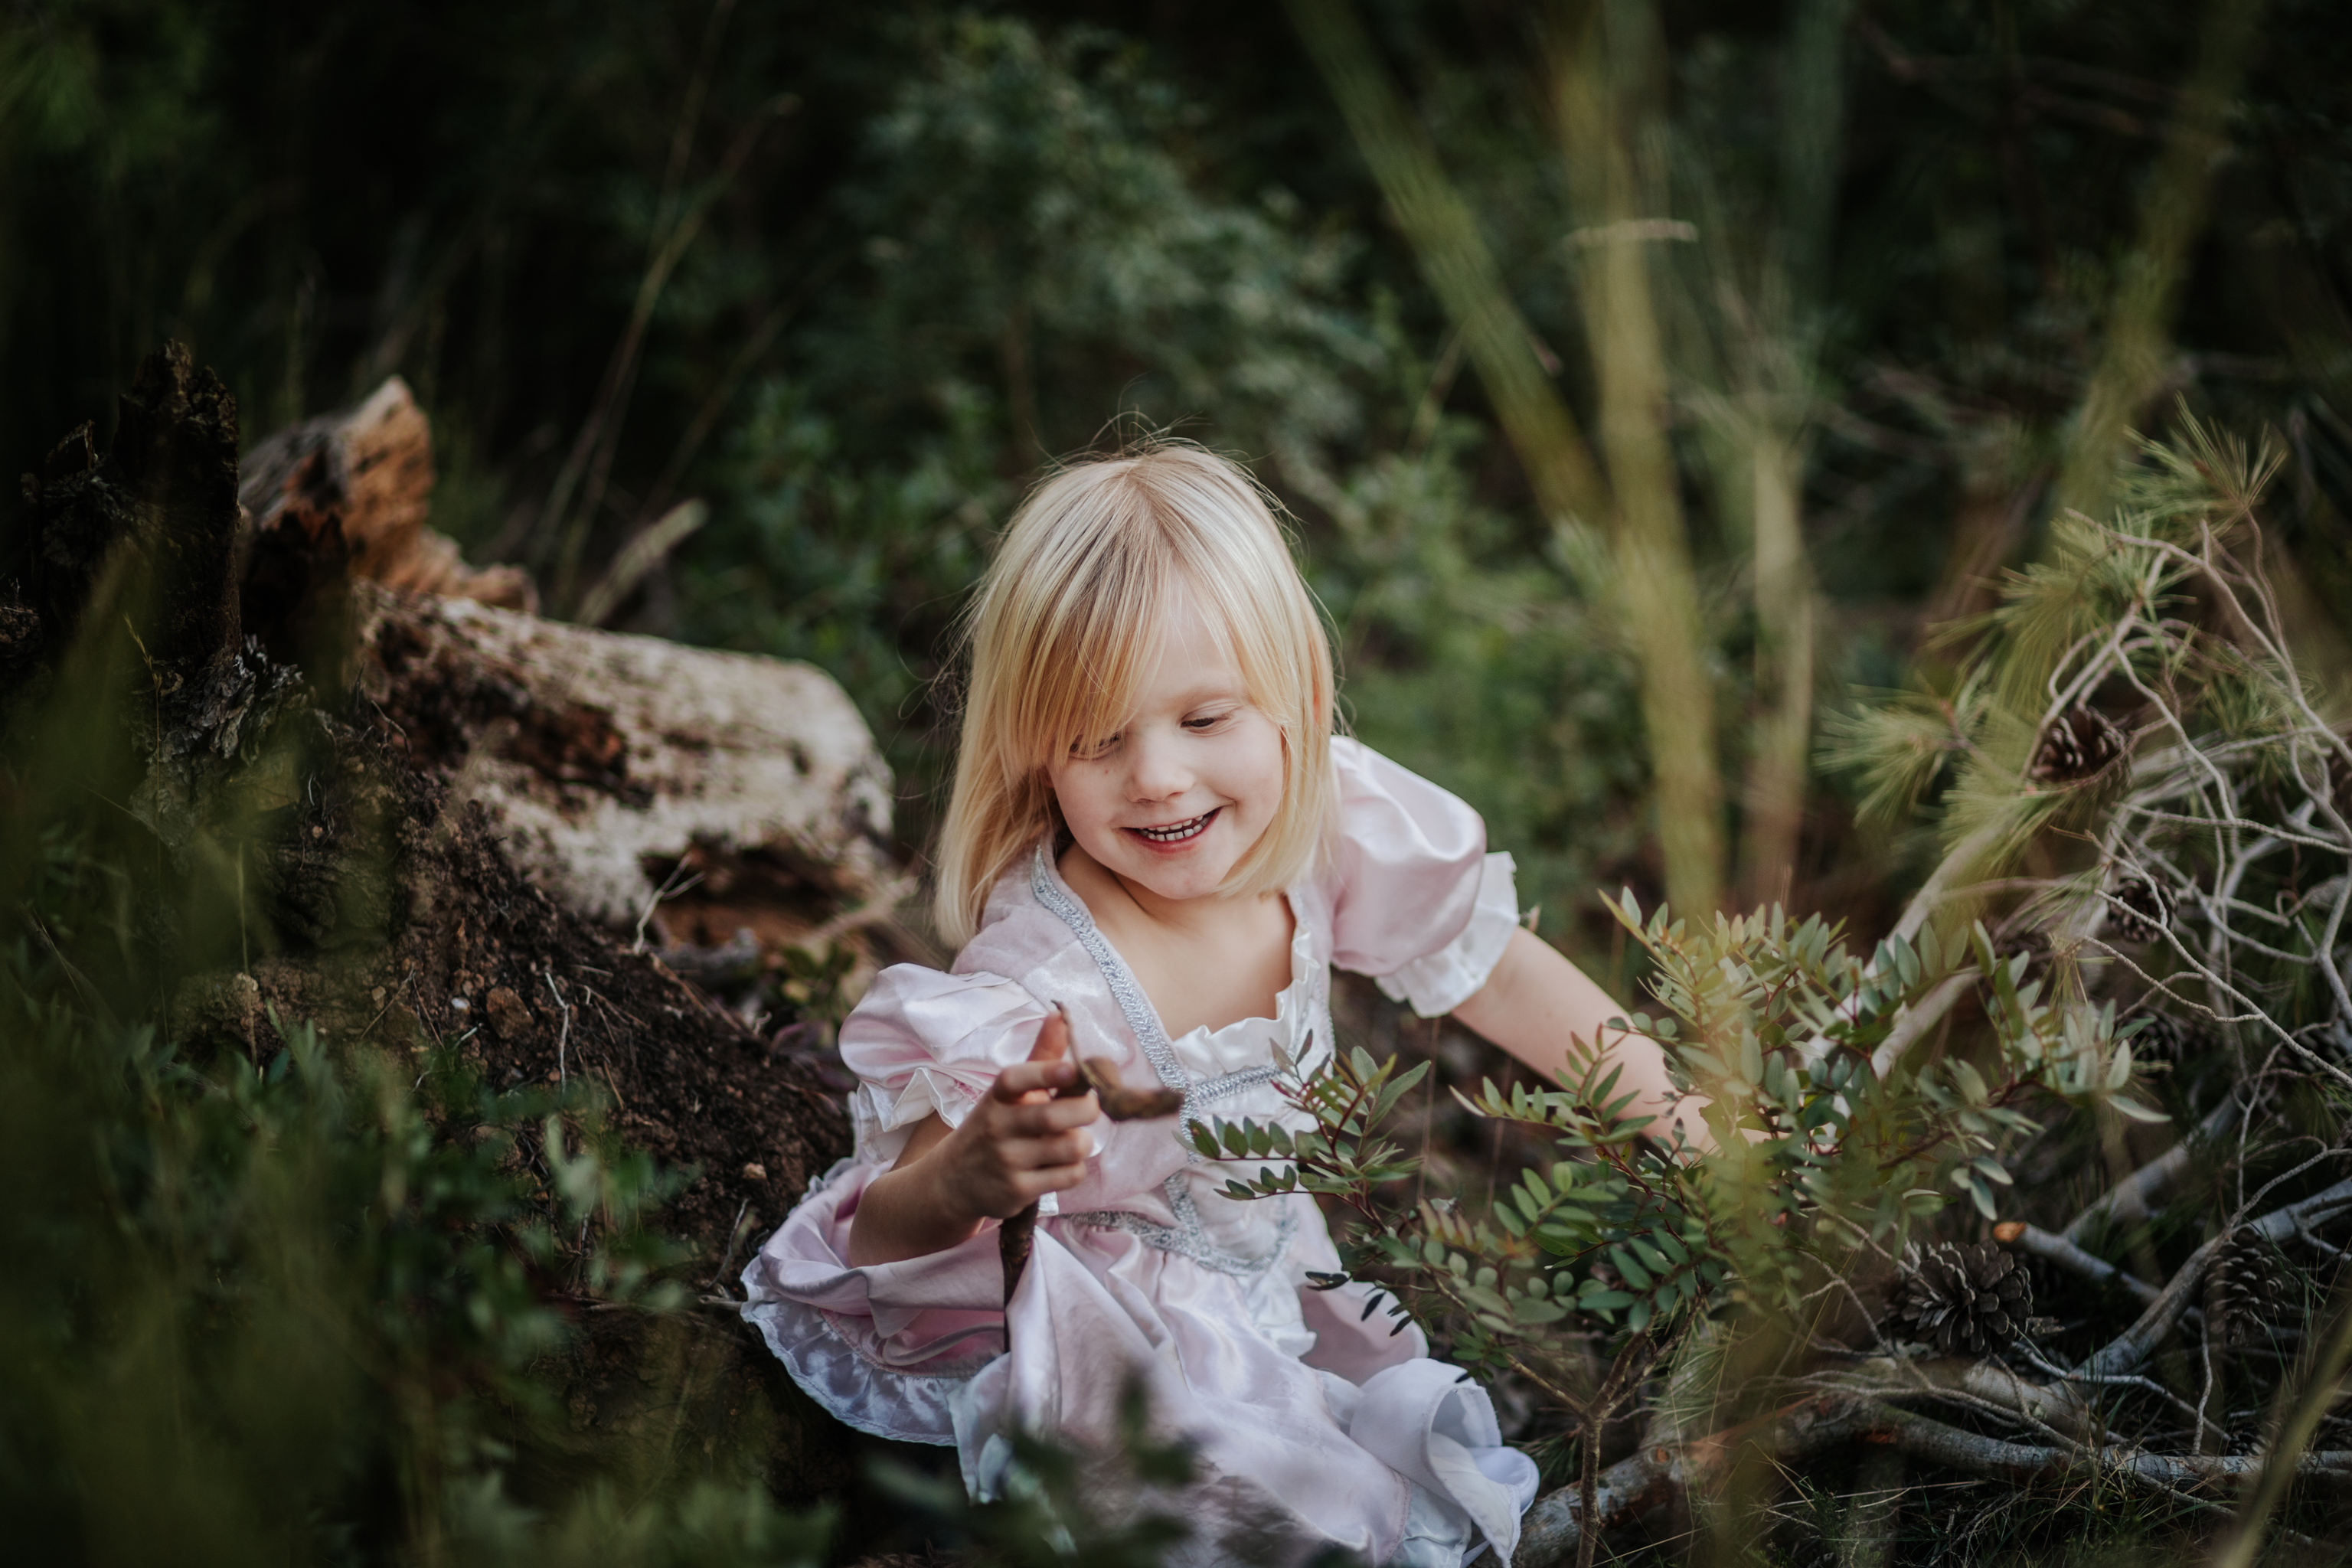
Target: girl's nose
[{"x": 1156, "y": 768}]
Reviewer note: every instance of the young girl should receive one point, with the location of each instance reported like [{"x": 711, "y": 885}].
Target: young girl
[{"x": 1155, "y": 835}]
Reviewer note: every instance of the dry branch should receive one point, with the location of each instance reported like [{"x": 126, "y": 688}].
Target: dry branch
[
  {"x": 1657, "y": 1476},
  {"x": 1860, "y": 1404},
  {"x": 2128, "y": 1201},
  {"x": 2063, "y": 1251}
]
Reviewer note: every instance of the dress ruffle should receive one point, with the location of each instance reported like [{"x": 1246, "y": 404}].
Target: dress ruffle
[
  {"x": 922, "y": 1042},
  {"x": 882, "y": 1347}
]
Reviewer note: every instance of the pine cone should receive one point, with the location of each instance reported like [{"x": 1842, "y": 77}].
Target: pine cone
[
  {"x": 2254, "y": 1285},
  {"x": 2166, "y": 1038},
  {"x": 2034, "y": 942},
  {"x": 2142, "y": 910},
  {"x": 2078, "y": 746},
  {"x": 1971, "y": 1300}
]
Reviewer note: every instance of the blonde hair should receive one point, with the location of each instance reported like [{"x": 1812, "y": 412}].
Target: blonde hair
[{"x": 1063, "y": 630}]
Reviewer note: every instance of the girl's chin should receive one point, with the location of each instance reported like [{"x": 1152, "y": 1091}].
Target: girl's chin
[
  {"x": 1177, "y": 889},
  {"x": 1194, "y": 872}
]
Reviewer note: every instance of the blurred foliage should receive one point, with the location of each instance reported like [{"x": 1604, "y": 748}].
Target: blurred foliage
[
  {"x": 1120, "y": 1509},
  {"x": 851, "y": 276},
  {"x": 301, "y": 1306}
]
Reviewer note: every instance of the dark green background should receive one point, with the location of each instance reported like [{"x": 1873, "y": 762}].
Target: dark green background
[{"x": 964, "y": 239}]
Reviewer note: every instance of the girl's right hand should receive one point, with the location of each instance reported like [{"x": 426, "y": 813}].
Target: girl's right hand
[{"x": 1018, "y": 1143}]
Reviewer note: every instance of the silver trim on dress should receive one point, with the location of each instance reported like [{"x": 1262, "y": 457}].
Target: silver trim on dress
[
  {"x": 1141, "y": 1017},
  {"x": 1186, "y": 1237}
]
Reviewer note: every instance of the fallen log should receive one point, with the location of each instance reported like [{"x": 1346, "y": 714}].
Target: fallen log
[
  {"x": 607, "y": 762},
  {"x": 717, "y": 800}
]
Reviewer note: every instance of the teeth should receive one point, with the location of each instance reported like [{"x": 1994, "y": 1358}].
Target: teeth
[{"x": 1177, "y": 831}]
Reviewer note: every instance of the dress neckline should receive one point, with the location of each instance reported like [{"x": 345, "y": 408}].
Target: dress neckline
[
  {"x": 1284, "y": 1000},
  {"x": 1048, "y": 885}
]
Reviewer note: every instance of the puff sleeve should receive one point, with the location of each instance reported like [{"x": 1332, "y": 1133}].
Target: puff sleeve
[
  {"x": 923, "y": 1041},
  {"x": 1417, "y": 902}
]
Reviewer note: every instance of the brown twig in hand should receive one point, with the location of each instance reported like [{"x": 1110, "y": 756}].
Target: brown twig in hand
[{"x": 1018, "y": 1236}]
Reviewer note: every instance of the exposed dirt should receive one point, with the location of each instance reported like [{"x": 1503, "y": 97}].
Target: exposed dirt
[
  {"x": 531, "y": 991},
  {"x": 778, "y": 897}
]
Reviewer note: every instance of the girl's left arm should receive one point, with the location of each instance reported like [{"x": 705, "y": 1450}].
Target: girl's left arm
[{"x": 1535, "y": 1002}]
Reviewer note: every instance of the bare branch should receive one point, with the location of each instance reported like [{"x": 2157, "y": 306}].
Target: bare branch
[
  {"x": 2130, "y": 1350},
  {"x": 2063, "y": 1251},
  {"x": 2127, "y": 1200},
  {"x": 1955, "y": 865},
  {"x": 1920, "y": 1017},
  {"x": 1658, "y": 1475}
]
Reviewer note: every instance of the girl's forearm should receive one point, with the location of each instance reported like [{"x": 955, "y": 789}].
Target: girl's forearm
[
  {"x": 905, "y": 1212},
  {"x": 1535, "y": 1002}
]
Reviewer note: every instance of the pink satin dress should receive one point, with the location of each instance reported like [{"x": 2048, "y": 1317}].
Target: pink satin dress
[{"x": 1314, "y": 1427}]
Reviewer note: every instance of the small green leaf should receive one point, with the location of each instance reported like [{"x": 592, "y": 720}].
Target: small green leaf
[{"x": 1633, "y": 1273}]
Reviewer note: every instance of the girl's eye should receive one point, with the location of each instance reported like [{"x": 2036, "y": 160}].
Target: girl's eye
[
  {"x": 1202, "y": 723},
  {"x": 1089, "y": 751}
]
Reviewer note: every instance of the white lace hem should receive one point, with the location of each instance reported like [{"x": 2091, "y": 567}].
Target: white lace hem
[
  {"x": 1439, "y": 982},
  {"x": 906, "y": 1407}
]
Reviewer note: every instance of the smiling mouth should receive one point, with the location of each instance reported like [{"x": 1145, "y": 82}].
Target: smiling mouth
[{"x": 1177, "y": 832}]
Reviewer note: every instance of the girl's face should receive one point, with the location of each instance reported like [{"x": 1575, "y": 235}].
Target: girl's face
[{"x": 1174, "y": 800}]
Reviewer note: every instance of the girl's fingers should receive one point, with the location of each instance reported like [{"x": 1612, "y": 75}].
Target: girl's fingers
[
  {"x": 1053, "y": 1037},
  {"x": 1028, "y": 1078},
  {"x": 1042, "y": 1118},
  {"x": 1035, "y": 1184},
  {"x": 1020, "y": 1155}
]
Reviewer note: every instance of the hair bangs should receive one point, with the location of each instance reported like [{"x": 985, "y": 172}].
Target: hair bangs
[{"x": 1091, "y": 650}]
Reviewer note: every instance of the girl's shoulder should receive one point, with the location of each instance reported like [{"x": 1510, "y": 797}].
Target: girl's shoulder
[
  {"x": 1407, "y": 867},
  {"x": 1392, "y": 822},
  {"x": 1023, "y": 929}
]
